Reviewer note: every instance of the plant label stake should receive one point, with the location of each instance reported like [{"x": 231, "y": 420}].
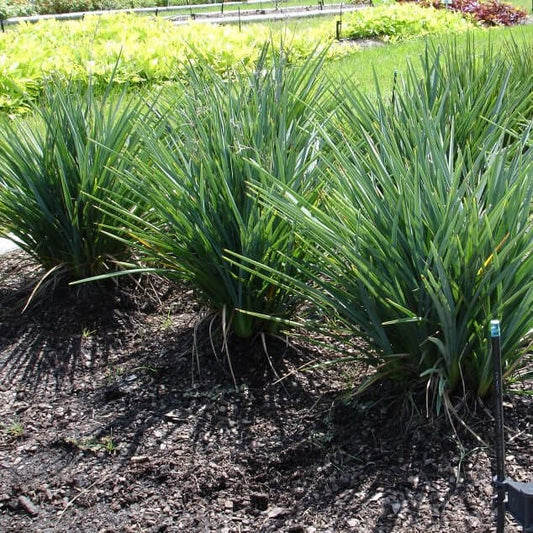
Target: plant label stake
[
  {"x": 495, "y": 337},
  {"x": 519, "y": 495},
  {"x": 394, "y": 82}
]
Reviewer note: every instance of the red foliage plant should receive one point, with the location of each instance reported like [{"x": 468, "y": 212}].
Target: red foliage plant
[{"x": 491, "y": 13}]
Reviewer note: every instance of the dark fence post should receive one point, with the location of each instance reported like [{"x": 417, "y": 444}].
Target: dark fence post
[{"x": 338, "y": 27}]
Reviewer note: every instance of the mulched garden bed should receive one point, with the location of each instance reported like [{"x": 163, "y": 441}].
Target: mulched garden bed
[{"x": 111, "y": 422}]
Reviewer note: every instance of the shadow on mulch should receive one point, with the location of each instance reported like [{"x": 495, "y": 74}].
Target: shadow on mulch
[
  {"x": 70, "y": 336},
  {"x": 68, "y": 329},
  {"x": 56, "y": 334},
  {"x": 178, "y": 377},
  {"x": 136, "y": 412}
]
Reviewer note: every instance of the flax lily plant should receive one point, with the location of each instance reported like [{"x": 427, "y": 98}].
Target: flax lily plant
[
  {"x": 423, "y": 239},
  {"x": 54, "y": 164},
  {"x": 215, "y": 134}
]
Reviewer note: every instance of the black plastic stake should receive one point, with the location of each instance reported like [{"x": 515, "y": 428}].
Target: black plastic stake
[
  {"x": 222, "y": 7},
  {"x": 239, "y": 12},
  {"x": 2, "y": 24},
  {"x": 495, "y": 336}
]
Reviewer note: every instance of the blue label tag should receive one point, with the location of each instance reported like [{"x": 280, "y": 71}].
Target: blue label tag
[{"x": 494, "y": 328}]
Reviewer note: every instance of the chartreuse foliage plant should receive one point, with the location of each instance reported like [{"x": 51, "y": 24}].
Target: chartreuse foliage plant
[
  {"x": 397, "y": 22},
  {"x": 134, "y": 50},
  {"x": 151, "y": 50},
  {"x": 219, "y": 137},
  {"x": 423, "y": 239},
  {"x": 49, "y": 164}
]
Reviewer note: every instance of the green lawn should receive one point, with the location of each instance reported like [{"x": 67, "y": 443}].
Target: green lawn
[
  {"x": 266, "y": 4},
  {"x": 381, "y": 61},
  {"x": 524, "y": 4}
]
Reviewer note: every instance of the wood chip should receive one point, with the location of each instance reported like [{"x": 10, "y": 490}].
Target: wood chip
[
  {"x": 276, "y": 512},
  {"x": 28, "y": 506},
  {"x": 140, "y": 459}
]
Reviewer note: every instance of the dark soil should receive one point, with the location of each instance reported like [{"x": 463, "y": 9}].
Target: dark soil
[{"x": 110, "y": 422}]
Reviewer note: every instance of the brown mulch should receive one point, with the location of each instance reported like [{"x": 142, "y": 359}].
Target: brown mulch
[{"x": 111, "y": 422}]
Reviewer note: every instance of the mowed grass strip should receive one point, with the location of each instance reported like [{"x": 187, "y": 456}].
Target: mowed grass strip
[{"x": 365, "y": 65}]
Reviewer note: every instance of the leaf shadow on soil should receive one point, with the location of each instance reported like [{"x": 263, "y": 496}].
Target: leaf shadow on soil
[
  {"x": 52, "y": 338},
  {"x": 205, "y": 437},
  {"x": 130, "y": 422}
]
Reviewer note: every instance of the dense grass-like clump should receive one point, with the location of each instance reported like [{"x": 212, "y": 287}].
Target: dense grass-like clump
[
  {"x": 51, "y": 163},
  {"x": 427, "y": 232},
  {"x": 219, "y": 138}
]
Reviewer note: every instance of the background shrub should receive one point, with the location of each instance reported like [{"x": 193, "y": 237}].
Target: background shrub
[
  {"x": 5, "y": 10},
  {"x": 21, "y": 8},
  {"x": 489, "y": 13},
  {"x": 492, "y": 13},
  {"x": 396, "y": 22},
  {"x": 44, "y": 7}
]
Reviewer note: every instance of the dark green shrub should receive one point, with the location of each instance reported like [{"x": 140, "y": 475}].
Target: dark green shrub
[
  {"x": 426, "y": 233},
  {"x": 5, "y": 10}
]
